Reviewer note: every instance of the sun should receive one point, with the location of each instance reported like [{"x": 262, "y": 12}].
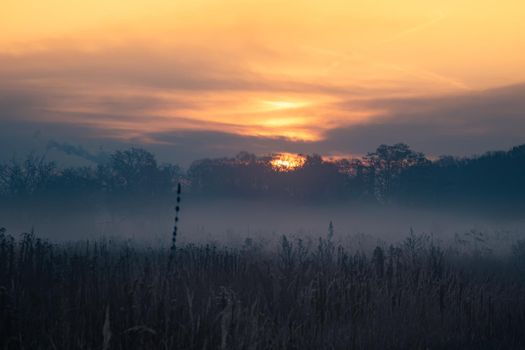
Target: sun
[{"x": 283, "y": 162}]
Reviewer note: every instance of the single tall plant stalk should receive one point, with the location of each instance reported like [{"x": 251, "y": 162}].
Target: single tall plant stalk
[{"x": 175, "y": 226}]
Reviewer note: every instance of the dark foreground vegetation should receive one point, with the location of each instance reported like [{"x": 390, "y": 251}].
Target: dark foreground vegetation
[{"x": 303, "y": 294}]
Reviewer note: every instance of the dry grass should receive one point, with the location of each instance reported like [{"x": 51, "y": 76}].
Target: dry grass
[{"x": 114, "y": 295}]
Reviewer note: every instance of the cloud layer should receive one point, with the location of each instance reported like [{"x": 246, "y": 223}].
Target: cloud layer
[
  {"x": 465, "y": 124},
  {"x": 209, "y": 77}
]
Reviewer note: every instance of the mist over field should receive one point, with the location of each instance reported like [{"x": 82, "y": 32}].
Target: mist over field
[{"x": 230, "y": 221}]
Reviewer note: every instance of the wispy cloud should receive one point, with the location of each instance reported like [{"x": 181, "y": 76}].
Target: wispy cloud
[{"x": 310, "y": 74}]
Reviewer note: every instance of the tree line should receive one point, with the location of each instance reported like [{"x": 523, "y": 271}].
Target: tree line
[{"x": 390, "y": 174}]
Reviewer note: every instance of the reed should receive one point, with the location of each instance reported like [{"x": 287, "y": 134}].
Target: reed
[
  {"x": 176, "y": 223},
  {"x": 304, "y": 295}
]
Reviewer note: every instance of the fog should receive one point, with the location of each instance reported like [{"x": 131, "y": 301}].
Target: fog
[{"x": 231, "y": 222}]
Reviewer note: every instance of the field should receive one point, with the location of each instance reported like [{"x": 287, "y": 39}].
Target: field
[{"x": 297, "y": 294}]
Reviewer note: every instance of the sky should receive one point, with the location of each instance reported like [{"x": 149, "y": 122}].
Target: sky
[{"x": 191, "y": 79}]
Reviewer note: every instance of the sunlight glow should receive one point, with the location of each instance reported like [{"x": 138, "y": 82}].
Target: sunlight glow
[
  {"x": 283, "y": 162},
  {"x": 294, "y": 69},
  {"x": 280, "y": 105}
]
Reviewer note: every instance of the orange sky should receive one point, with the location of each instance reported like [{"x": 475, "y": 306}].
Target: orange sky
[{"x": 267, "y": 68}]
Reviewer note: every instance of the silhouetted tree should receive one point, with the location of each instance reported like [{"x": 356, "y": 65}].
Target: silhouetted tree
[
  {"x": 29, "y": 177},
  {"x": 387, "y": 163},
  {"x": 136, "y": 171}
]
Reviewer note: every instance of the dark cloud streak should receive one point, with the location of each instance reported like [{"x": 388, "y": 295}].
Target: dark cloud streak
[{"x": 457, "y": 124}]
